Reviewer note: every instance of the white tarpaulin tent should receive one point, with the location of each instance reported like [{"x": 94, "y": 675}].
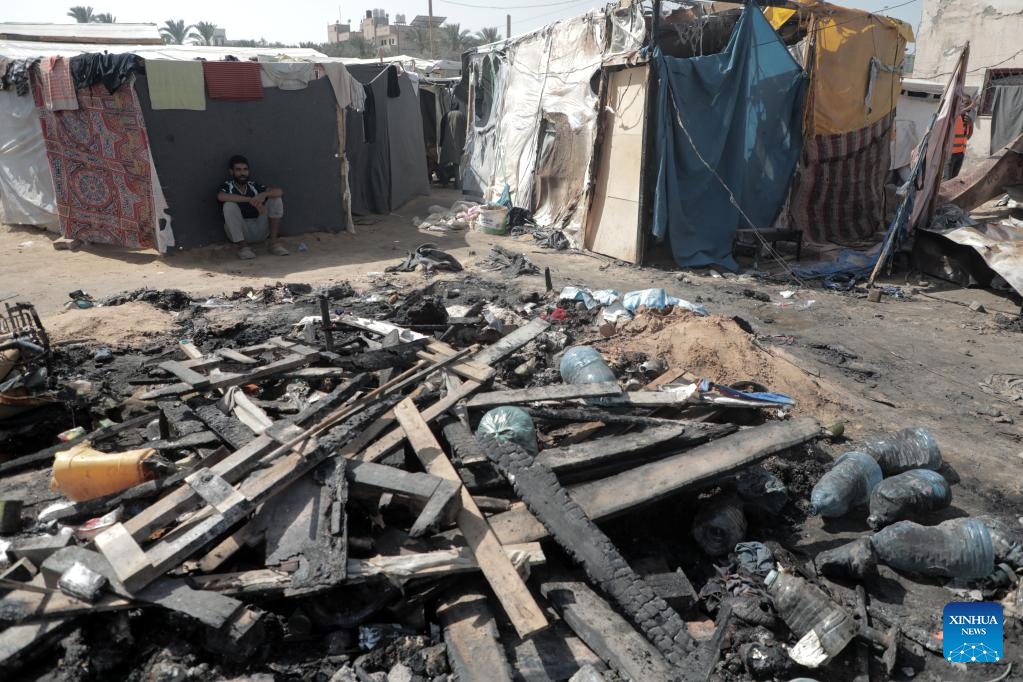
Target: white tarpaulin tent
[{"x": 533, "y": 116}]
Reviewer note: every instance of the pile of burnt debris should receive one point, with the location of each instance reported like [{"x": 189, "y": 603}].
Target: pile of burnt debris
[{"x": 406, "y": 485}]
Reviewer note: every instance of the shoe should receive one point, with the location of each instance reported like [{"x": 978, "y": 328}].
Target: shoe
[
  {"x": 279, "y": 250},
  {"x": 246, "y": 253}
]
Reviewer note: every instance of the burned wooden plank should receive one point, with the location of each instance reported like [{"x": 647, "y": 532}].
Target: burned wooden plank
[
  {"x": 189, "y": 376},
  {"x": 488, "y": 356},
  {"x": 395, "y": 569},
  {"x": 232, "y": 468},
  {"x": 400, "y": 355},
  {"x": 523, "y": 611},
  {"x": 604, "y": 631},
  {"x": 543, "y": 393},
  {"x": 172, "y": 593},
  {"x": 600, "y": 451},
  {"x": 655, "y": 481},
  {"x": 235, "y": 356},
  {"x": 550, "y": 656},
  {"x": 258, "y": 488},
  {"x": 591, "y": 548},
  {"x": 226, "y": 380},
  {"x": 593, "y": 414},
  {"x": 471, "y": 638},
  {"x": 436, "y": 496},
  {"x": 227, "y": 427}
]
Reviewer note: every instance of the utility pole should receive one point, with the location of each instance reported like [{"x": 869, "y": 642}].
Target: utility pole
[
  {"x": 430, "y": 29},
  {"x": 507, "y": 29}
]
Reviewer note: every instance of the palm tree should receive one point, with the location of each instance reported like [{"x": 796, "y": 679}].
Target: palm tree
[
  {"x": 488, "y": 35},
  {"x": 203, "y": 33},
  {"x": 457, "y": 39},
  {"x": 174, "y": 31},
  {"x": 419, "y": 37},
  {"x": 104, "y": 18},
  {"x": 360, "y": 47},
  {"x": 83, "y": 15}
]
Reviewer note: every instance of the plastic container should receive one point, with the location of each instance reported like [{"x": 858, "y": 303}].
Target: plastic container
[
  {"x": 847, "y": 485},
  {"x": 493, "y": 220},
  {"x": 806, "y": 609},
  {"x": 81, "y": 473},
  {"x": 1006, "y": 544},
  {"x": 958, "y": 548},
  {"x": 584, "y": 365},
  {"x": 719, "y": 525},
  {"x": 907, "y": 496},
  {"x": 761, "y": 490},
  {"x": 913, "y": 448},
  {"x": 512, "y": 425}
]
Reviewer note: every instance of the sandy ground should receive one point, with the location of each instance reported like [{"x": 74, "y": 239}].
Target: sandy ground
[{"x": 891, "y": 364}]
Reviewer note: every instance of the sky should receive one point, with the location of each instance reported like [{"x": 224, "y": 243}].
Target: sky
[{"x": 306, "y": 20}]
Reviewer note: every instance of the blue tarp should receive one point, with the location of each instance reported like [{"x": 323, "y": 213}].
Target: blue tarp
[{"x": 743, "y": 111}]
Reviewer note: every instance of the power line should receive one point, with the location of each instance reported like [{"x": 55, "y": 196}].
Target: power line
[
  {"x": 475, "y": 6},
  {"x": 979, "y": 68}
]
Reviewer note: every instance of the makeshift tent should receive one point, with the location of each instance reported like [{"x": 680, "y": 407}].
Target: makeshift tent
[
  {"x": 533, "y": 115},
  {"x": 727, "y": 140},
  {"x": 293, "y": 138},
  {"x": 384, "y": 144},
  {"x": 854, "y": 60}
]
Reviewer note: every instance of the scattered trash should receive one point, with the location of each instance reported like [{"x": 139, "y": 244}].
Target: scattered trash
[
  {"x": 82, "y": 473},
  {"x": 846, "y": 486},
  {"x": 912, "y": 448},
  {"x": 510, "y": 424},
  {"x": 908, "y": 495},
  {"x": 509, "y": 263},
  {"x": 719, "y": 525},
  {"x": 430, "y": 258},
  {"x": 957, "y": 548},
  {"x": 584, "y": 365},
  {"x": 754, "y": 558},
  {"x": 824, "y": 628}
]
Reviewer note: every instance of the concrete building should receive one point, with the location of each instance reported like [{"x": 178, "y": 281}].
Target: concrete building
[
  {"x": 993, "y": 28},
  {"x": 377, "y": 29}
]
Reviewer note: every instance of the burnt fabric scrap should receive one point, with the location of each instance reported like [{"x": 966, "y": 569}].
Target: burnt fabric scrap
[
  {"x": 509, "y": 263},
  {"x": 728, "y": 135},
  {"x": 430, "y": 258},
  {"x": 112, "y": 70}
]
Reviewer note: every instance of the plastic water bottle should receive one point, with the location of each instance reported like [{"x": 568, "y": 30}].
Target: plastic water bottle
[
  {"x": 849, "y": 484},
  {"x": 584, "y": 365},
  {"x": 806, "y": 609},
  {"x": 958, "y": 548},
  {"x": 907, "y": 496},
  {"x": 510, "y": 424},
  {"x": 913, "y": 448},
  {"x": 719, "y": 525}
]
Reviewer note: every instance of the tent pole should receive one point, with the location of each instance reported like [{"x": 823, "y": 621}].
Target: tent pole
[{"x": 430, "y": 7}]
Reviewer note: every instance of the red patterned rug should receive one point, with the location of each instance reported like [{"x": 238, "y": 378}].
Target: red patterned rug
[{"x": 99, "y": 157}]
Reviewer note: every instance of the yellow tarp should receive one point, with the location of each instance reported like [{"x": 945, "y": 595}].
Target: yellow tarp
[
  {"x": 846, "y": 42},
  {"x": 776, "y": 16}
]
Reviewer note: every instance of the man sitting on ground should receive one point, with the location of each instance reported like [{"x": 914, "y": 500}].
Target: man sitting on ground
[{"x": 252, "y": 211}]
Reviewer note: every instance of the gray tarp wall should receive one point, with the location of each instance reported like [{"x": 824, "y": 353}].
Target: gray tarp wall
[
  {"x": 388, "y": 168},
  {"x": 290, "y": 138}
]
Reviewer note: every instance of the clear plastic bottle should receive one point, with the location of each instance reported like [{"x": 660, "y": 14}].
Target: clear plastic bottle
[
  {"x": 847, "y": 485},
  {"x": 958, "y": 548},
  {"x": 719, "y": 525},
  {"x": 913, "y": 448},
  {"x": 805, "y": 608},
  {"x": 584, "y": 365},
  {"x": 907, "y": 496}
]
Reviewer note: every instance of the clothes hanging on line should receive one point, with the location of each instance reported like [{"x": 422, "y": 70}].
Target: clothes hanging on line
[
  {"x": 287, "y": 75},
  {"x": 176, "y": 84},
  {"x": 112, "y": 70},
  {"x": 348, "y": 91},
  {"x": 233, "y": 81},
  {"x": 58, "y": 90}
]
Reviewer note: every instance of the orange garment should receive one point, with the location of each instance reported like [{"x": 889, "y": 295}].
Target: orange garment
[{"x": 964, "y": 128}]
